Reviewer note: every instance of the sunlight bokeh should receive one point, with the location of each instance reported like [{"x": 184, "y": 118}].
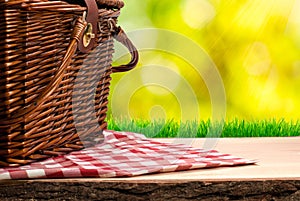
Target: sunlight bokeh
[{"x": 255, "y": 45}]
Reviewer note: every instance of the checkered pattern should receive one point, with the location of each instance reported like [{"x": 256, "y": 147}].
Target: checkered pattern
[{"x": 123, "y": 154}]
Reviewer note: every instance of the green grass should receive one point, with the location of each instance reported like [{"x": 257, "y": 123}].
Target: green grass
[{"x": 235, "y": 128}]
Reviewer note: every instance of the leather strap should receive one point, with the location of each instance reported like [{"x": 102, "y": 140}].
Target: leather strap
[
  {"x": 78, "y": 31},
  {"x": 91, "y": 18},
  {"x": 56, "y": 80}
]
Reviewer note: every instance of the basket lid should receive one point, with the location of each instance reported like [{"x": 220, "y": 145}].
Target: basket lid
[{"x": 101, "y": 3}]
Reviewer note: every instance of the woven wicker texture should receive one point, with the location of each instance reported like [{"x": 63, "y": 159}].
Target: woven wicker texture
[{"x": 35, "y": 37}]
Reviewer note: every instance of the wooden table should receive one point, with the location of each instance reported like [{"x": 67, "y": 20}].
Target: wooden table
[{"x": 275, "y": 176}]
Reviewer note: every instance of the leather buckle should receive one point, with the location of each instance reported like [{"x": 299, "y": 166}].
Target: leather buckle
[{"x": 89, "y": 37}]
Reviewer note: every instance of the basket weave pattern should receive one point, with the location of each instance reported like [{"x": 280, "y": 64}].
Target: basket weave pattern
[{"x": 35, "y": 35}]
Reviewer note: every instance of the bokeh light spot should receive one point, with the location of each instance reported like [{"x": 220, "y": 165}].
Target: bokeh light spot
[
  {"x": 166, "y": 76},
  {"x": 197, "y": 13},
  {"x": 157, "y": 112},
  {"x": 257, "y": 61}
]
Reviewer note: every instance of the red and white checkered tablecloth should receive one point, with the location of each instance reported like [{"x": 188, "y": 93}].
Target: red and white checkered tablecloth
[{"x": 123, "y": 154}]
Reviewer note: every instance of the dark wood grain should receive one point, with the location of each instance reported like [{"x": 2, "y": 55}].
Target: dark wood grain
[{"x": 95, "y": 190}]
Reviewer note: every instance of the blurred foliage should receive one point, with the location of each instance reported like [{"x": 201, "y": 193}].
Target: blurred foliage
[{"x": 255, "y": 45}]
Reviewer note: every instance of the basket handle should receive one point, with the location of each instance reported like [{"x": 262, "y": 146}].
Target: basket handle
[
  {"x": 78, "y": 31},
  {"x": 112, "y": 3},
  {"x": 121, "y": 37}
]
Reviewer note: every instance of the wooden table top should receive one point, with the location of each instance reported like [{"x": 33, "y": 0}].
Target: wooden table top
[{"x": 278, "y": 158}]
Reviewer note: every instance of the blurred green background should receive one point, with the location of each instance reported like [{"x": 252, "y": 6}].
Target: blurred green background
[{"x": 254, "y": 44}]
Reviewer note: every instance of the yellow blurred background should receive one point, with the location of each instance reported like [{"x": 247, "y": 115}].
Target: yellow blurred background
[{"x": 254, "y": 45}]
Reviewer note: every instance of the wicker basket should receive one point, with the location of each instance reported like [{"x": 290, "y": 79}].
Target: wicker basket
[{"x": 55, "y": 74}]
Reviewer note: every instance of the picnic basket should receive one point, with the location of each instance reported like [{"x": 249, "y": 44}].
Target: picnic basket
[{"x": 55, "y": 72}]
